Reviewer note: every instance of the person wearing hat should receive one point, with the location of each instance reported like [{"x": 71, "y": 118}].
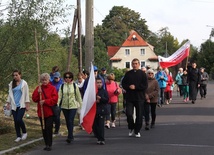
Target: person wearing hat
[
  {"x": 203, "y": 83},
  {"x": 57, "y": 82},
  {"x": 103, "y": 73}
]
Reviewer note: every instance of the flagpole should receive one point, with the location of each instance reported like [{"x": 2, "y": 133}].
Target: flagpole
[{"x": 187, "y": 62}]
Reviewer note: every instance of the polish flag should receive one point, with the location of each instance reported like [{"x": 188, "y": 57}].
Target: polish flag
[
  {"x": 88, "y": 109},
  {"x": 176, "y": 57}
]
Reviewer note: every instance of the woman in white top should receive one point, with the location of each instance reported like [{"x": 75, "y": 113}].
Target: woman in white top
[{"x": 18, "y": 100}]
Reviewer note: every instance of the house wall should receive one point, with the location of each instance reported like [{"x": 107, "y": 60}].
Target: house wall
[{"x": 135, "y": 52}]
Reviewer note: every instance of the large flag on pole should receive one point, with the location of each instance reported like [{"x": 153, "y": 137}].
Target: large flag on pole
[
  {"x": 176, "y": 57},
  {"x": 88, "y": 109}
]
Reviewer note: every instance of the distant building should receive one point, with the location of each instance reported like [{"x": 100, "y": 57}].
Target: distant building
[{"x": 133, "y": 47}]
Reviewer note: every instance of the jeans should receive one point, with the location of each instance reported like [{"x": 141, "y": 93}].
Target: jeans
[
  {"x": 137, "y": 125},
  {"x": 18, "y": 121},
  {"x": 69, "y": 118},
  {"x": 161, "y": 96},
  {"x": 111, "y": 111},
  {"x": 47, "y": 132}
]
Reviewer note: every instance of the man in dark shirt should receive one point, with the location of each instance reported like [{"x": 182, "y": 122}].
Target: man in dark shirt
[
  {"x": 194, "y": 79},
  {"x": 135, "y": 83}
]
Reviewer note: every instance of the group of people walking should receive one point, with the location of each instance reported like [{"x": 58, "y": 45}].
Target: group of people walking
[
  {"x": 190, "y": 81},
  {"x": 143, "y": 90}
]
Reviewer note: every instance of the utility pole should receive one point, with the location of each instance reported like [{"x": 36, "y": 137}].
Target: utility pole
[
  {"x": 72, "y": 40},
  {"x": 89, "y": 34},
  {"x": 79, "y": 34}
]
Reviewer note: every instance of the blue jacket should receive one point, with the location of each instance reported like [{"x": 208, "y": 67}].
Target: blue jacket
[
  {"x": 178, "y": 78},
  {"x": 161, "y": 82},
  {"x": 57, "y": 84}
]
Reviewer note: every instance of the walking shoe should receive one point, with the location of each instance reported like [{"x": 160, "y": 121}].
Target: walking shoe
[
  {"x": 24, "y": 136},
  {"x": 107, "y": 125},
  {"x": 152, "y": 126},
  {"x": 147, "y": 127},
  {"x": 159, "y": 105},
  {"x": 102, "y": 142},
  {"x": 137, "y": 135},
  {"x": 18, "y": 139},
  {"x": 193, "y": 101},
  {"x": 98, "y": 142},
  {"x": 187, "y": 99},
  {"x": 131, "y": 132},
  {"x": 113, "y": 125}
]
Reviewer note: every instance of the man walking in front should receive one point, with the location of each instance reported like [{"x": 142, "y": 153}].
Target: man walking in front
[{"x": 135, "y": 83}]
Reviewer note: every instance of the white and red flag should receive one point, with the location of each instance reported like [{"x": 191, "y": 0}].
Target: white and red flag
[
  {"x": 88, "y": 109},
  {"x": 176, "y": 57}
]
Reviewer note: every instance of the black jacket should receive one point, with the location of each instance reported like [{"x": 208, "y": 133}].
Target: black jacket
[
  {"x": 139, "y": 79},
  {"x": 102, "y": 105}
]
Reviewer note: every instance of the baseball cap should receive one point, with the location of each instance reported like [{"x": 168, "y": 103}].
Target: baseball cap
[{"x": 56, "y": 75}]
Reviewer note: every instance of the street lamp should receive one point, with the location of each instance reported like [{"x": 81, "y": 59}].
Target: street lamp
[{"x": 212, "y": 31}]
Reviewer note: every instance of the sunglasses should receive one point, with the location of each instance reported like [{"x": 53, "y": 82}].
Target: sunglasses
[{"x": 67, "y": 77}]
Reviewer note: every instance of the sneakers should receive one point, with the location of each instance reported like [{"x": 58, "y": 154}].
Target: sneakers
[
  {"x": 101, "y": 142},
  {"x": 24, "y": 136},
  {"x": 18, "y": 139},
  {"x": 113, "y": 125},
  {"x": 137, "y": 135},
  {"x": 193, "y": 101},
  {"x": 131, "y": 132},
  {"x": 47, "y": 148},
  {"x": 185, "y": 100},
  {"x": 107, "y": 125}
]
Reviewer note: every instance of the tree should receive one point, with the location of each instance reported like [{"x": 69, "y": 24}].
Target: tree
[{"x": 17, "y": 36}]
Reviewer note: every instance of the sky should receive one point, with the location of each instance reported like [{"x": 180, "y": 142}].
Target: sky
[{"x": 185, "y": 19}]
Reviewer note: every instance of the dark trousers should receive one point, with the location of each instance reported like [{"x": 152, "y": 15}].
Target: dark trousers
[
  {"x": 98, "y": 127},
  {"x": 137, "y": 125},
  {"x": 167, "y": 95},
  {"x": 181, "y": 90},
  {"x": 161, "y": 96},
  {"x": 69, "y": 118},
  {"x": 193, "y": 90},
  {"x": 124, "y": 101},
  {"x": 18, "y": 121},
  {"x": 56, "y": 120},
  {"x": 111, "y": 111},
  {"x": 203, "y": 90},
  {"x": 47, "y": 132},
  {"x": 148, "y": 107}
]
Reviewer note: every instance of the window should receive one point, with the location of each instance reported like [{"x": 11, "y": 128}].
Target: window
[
  {"x": 127, "y": 51},
  {"x": 142, "y": 64},
  {"x": 127, "y": 64},
  {"x": 142, "y": 51}
]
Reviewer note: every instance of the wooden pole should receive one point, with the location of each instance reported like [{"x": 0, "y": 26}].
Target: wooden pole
[
  {"x": 89, "y": 34},
  {"x": 79, "y": 34},
  {"x": 72, "y": 40},
  {"x": 38, "y": 70}
]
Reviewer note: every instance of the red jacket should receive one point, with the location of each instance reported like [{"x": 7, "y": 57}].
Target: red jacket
[
  {"x": 50, "y": 97},
  {"x": 169, "y": 83},
  {"x": 111, "y": 88}
]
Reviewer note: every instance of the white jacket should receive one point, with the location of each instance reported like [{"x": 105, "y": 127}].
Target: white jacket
[{"x": 24, "y": 98}]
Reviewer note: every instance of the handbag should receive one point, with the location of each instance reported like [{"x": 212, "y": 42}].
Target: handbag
[{"x": 55, "y": 108}]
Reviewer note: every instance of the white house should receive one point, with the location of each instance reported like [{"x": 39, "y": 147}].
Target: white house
[{"x": 133, "y": 47}]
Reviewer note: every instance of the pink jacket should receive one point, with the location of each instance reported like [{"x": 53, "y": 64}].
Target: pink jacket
[{"x": 112, "y": 88}]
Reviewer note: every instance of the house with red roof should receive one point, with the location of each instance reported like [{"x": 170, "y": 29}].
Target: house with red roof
[{"x": 133, "y": 47}]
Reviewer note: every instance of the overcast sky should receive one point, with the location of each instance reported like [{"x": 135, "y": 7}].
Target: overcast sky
[{"x": 185, "y": 19}]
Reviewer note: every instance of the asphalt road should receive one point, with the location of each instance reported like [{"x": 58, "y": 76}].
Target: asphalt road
[{"x": 181, "y": 129}]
